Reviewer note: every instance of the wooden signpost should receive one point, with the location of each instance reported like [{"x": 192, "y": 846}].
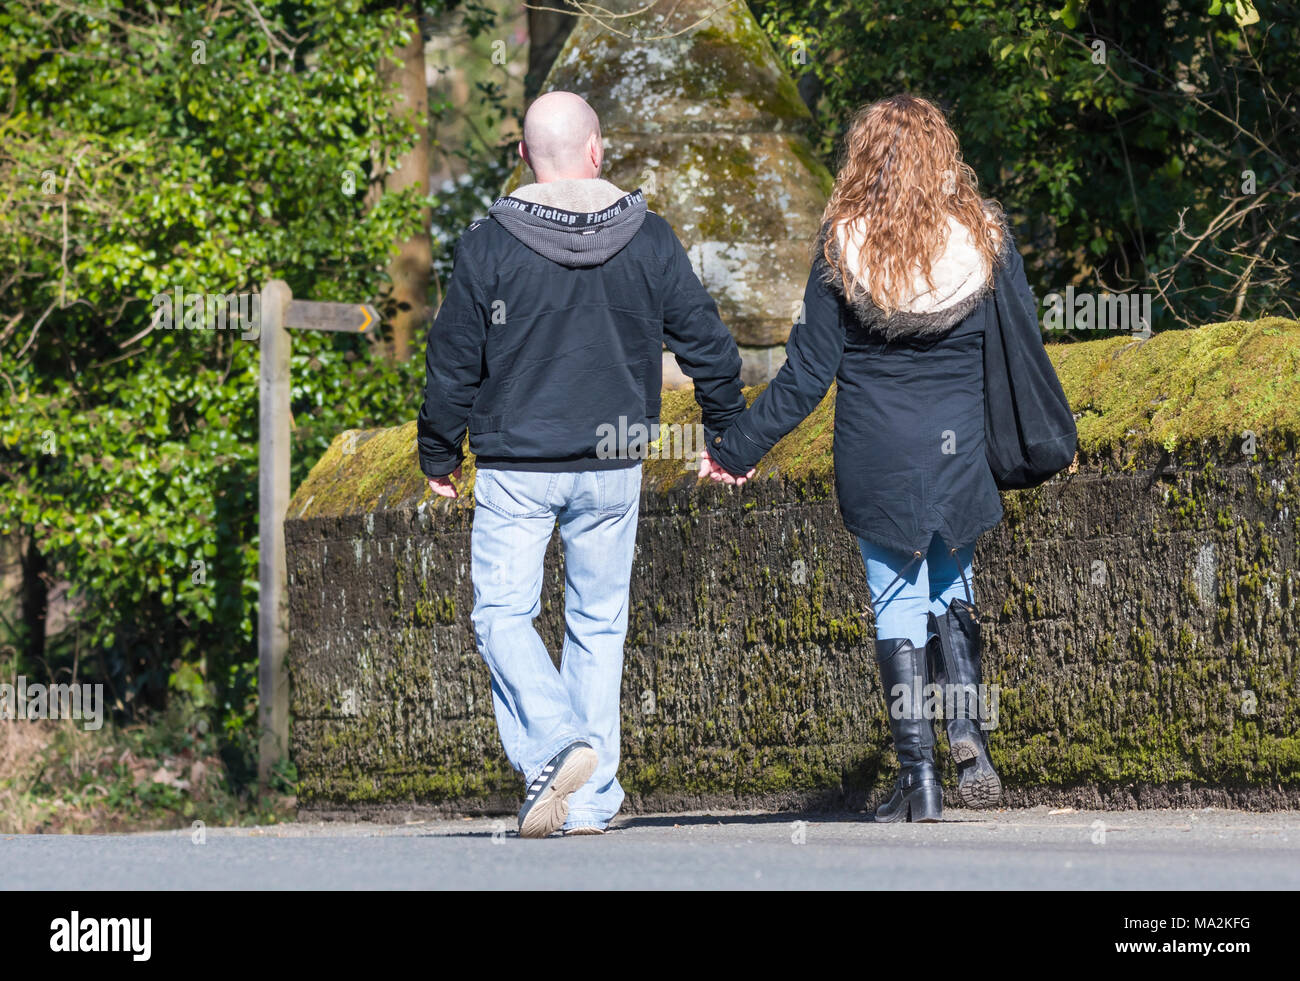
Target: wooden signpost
[{"x": 280, "y": 314}]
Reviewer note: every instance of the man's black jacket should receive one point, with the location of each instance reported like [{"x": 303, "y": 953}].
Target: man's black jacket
[{"x": 552, "y": 333}]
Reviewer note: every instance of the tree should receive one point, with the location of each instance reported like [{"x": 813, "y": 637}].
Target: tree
[
  {"x": 1148, "y": 146},
  {"x": 409, "y": 271},
  {"x": 155, "y": 151}
]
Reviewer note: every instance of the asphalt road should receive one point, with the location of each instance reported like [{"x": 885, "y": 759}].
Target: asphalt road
[{"x": 1022, "y": 849}]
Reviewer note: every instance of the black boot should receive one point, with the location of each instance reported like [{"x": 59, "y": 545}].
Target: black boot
[
  {"x": 954, "y": 657},
  {"x": 917, "y": 795}
]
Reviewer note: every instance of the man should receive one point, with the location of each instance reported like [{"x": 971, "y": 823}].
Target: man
[{"x": 551, "y": 333}]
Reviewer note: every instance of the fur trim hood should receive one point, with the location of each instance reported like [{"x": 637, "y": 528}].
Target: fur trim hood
[{"x": 961, "y": 278}]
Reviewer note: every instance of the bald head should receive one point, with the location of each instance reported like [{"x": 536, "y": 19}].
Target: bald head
[{"x": 562, "y": 138}]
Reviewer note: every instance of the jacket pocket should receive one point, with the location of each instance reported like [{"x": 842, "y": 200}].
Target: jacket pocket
[
  {"x": 485, "y": 435},
  {"x": 484, "y": 424}
]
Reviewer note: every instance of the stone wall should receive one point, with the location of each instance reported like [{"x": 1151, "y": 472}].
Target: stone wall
[{"x": 1140, "y": 613}]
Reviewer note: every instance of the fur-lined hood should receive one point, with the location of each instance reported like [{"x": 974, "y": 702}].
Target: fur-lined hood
[
  {"x": 962, "y": 281},
  {"x": 581, "y": 195}
]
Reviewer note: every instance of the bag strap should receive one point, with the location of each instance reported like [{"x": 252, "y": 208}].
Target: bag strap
[{"x": 964, "y": 581}]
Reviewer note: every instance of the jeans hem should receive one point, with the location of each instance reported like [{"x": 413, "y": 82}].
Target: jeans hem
[{"x": 552, "y": 751}]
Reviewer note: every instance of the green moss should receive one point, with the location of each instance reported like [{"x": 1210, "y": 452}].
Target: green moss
[
  {"x": 1178, "y": 388},
  {"x": 733, "y": 169},
  {"x": 1184, "y": 386},
  {"x": 427, "y": 613},
  {"x": 726, "y": 59},
  {"x": 800, "y": 148}
]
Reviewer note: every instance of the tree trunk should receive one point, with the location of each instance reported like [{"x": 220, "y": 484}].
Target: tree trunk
[
  {"x": 547, "y": 32},
  {"x": 35, "y": 602},
  {"x": 410, "y": 269}
]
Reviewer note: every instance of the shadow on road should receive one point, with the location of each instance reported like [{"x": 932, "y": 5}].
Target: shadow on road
[{"x": 506, "y": 826}]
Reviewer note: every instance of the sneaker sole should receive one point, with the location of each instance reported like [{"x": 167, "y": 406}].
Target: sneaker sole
[
  {"x": 547, "y": 816},
  {"x": 584, "y": 831}
]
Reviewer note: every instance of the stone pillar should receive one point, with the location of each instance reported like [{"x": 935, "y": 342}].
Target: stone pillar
[{"x": 697, "y": 109}]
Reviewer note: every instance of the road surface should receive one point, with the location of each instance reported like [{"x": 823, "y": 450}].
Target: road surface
[{"x": 1014, "y": 849}]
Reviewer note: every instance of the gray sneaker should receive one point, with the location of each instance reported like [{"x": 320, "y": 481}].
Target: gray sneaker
[{"x": 546, "y": 803}]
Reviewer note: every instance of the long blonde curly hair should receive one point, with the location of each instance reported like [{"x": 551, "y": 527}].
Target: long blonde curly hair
[{"x": 901, "y": 179}]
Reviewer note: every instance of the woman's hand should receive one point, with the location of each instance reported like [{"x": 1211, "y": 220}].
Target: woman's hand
[{"x": 708, "y": 468}]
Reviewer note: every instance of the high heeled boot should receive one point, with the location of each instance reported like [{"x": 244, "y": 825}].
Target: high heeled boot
[
  {"x": 917, "y": 794},
  {"x": 954, "y": 655}
]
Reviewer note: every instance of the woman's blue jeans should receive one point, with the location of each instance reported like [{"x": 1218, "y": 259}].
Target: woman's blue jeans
[{"x": 928, "y": 585}]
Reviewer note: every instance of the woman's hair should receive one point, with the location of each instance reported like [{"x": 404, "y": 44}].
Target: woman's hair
[{"x": 901, "y": 179}]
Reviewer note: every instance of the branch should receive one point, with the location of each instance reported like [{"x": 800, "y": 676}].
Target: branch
[{"x": 604, "y": 17}]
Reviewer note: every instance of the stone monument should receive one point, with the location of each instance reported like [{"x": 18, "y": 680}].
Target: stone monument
[{"x": 698, "y": 111}]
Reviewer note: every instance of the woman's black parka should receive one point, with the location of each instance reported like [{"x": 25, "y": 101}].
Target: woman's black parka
[{"x": 909, "y": 407}]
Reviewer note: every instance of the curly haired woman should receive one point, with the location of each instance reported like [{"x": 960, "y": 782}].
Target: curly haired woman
[{"x": 909, "y": 265}]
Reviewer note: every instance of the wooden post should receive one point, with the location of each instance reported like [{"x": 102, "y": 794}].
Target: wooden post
[
  {"x": 273, "y": 497},
  {"x": 281, "y": 313}
]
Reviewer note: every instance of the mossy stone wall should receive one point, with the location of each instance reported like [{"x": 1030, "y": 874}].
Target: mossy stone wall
[{"x": 1140, "y": 612}]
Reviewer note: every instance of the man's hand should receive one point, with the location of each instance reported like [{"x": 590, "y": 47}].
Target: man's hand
[
  {"x": 443, "y": 486},
  {"x": 714, "y": 472}
]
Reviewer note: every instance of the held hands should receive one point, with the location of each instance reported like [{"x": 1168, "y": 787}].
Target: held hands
[
  {"x": 443, "y": 486},
  {"x": 714, "y": 472}
]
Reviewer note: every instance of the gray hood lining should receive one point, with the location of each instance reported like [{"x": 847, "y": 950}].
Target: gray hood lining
[{"x": 576, "y": 239}]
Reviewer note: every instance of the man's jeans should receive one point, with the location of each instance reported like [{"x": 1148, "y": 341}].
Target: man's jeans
[{"x": 541, "y": 710}]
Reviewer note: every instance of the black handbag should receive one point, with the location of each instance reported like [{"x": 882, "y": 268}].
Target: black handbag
[{"x": 1029, "y": 431}]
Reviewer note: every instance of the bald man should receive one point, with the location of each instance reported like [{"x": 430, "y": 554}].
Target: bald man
[
  {"x": 562, "y": 139},
  {"x": 547, "y": 351}
]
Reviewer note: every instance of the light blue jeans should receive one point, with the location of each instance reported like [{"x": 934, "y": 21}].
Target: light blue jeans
[
  {"x": 928, "y": 585},
  {"x": 540, "y": 710}
]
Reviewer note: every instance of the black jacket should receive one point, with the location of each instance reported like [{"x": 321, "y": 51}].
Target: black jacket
[
  {"x": 909, "y": 408},
  {"x": 552, "y": 333}
]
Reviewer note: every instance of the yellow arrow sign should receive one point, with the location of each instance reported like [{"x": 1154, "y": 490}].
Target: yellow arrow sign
[{"x": 310, "y": 315}]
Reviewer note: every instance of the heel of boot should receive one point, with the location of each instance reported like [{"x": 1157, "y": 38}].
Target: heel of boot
[
  {"x": 963, "y": 747},
  {"x": 925, "y": 804}
]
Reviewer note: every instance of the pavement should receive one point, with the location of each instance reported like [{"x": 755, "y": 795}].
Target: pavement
[{"x": 1034, "y": 848}]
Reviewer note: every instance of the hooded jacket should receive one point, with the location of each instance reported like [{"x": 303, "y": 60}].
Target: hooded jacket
[
  {"x": 552, "y": 332},
  {"x": 909, "y": 406}
]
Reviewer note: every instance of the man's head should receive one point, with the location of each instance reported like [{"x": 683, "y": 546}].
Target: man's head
[{"x": 562, "y": 138}]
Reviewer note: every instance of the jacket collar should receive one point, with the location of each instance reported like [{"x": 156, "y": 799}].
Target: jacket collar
[{"x": 582, "y": 196}]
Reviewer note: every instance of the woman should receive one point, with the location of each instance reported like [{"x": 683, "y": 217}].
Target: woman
[{"x": 909, "y": 265}]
